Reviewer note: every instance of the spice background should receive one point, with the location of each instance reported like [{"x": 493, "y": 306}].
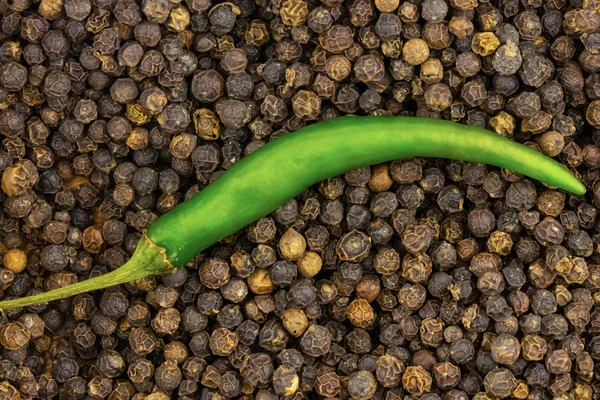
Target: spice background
[{"x": 417, "y": 279}]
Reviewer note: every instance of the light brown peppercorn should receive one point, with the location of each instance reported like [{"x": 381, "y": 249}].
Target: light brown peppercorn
[
  {"x": 432, "y": 71},
  {"x": 551, "y": 143},
  {"x": 464, "y": 5},
  {"x": 310, "y": 264},
  {"x": 294, "y": 321},
  {"x": 207, "y": 124},
  {"x": 179, "y": 19},
  {"x": 380, "y": 179},
  {"x": 484, "y": 43},
  {"x": 294, "y": 12},
  {"x": 50, "y": 9},
  {"x": 521, "y": 392},
  {"x": 500, "y": 243},
  {"x": 15, "y": 260},
  {"x": 19, "y": 178},
  {"x": 138, "y": 138},
  {"x": 259, "y": 282},
  {"x": 387, "y": 6},
  {"x": 503, "y": 123},
  {"x": 388, "y": 370},
  {"x": 415, "y": 51},
  {"x": 360, "y": 313},
  {"x": 136, "y": 114},
  {"x": 292, "y": 245}
]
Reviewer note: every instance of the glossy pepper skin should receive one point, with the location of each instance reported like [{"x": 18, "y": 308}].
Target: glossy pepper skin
[
  {"x": 258, "y": 184},
  {"x": 279, "y": 171}
]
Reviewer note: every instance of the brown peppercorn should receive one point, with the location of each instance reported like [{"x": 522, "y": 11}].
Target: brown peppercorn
[
  {"x": 368, "y": 288},
  {"x": 438, "y": 97},
  {"x": 360, "y": 313},
  {"x": 353, "y": 246},
  {"x": 558, "y": 362},
  {"x": 416, "y": 380},
  {"x": 505, "y": 349},
  {"x": 337, "y": 39},
  {"x": 387, "y": 261},
  {"x": 431, "y": 331},
  {"x": 534, "y": 347},
  {"x": 328, "y": 384},
  {"x": 223, "y": 341},
  {"x": 592, "y": 113},
  {"x": 257, "y": 33},
  {"x": 153, "y": 100},
  {"x": 14, "y": 336},
  {"x": 388, "y": 370},
  {"x": 461, "y": 27},
  {"x": 15, "y": 260},
  {"x": 285, "y": 380},
  {"x": 500, "y": 382},
  {"x": 214, "y": 273},
  {"x": 338, "y": 67},
  {"x": 581, "y": 20},
  {"x": 446, "y": 375},
  {"x": 415, "y": 51},
  {"x": 362, "y": 385},
  {"x": 316, "y": 341},
  {"x": 306, "y": 105}
]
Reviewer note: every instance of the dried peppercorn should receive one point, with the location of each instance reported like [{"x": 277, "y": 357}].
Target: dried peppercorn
[
  {"x": 416, "y": 380},
  {"x": 415, "y": 51}
]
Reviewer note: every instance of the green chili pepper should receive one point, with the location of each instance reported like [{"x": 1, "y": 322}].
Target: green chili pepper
[{"x": 282, "y": 169}]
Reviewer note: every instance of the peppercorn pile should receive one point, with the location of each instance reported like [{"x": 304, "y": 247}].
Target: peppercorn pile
[{"x": 419, "y": 278}]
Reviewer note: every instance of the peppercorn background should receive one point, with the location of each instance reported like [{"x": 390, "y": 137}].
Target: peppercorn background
[{"x": 418, "y": 278}]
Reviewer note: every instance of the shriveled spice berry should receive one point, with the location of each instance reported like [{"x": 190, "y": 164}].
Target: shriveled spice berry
[
  {"x": 415, "y": 51},
  {"x": 416, "y": 380}
]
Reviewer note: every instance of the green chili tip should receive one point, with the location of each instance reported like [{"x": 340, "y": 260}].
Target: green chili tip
[{"x": 148, "y": 259}]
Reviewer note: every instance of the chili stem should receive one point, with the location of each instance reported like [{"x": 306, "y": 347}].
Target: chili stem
[{"x": 148, "y": 259}]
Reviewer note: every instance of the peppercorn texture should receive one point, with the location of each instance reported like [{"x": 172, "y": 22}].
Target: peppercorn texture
[{"x": 114, "y": 112}]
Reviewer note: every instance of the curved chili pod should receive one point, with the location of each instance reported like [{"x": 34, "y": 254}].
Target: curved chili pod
[{"x": 282, "y": 169}]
